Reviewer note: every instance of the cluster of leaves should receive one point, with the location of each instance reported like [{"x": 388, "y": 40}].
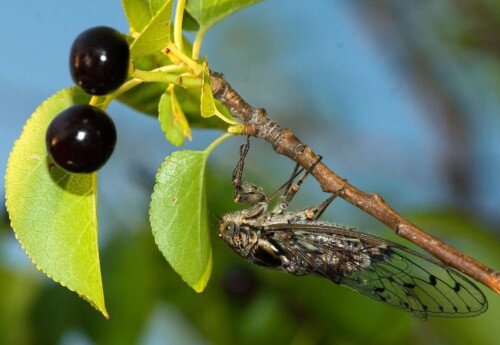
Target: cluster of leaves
[{"x": 53, "y": 213}]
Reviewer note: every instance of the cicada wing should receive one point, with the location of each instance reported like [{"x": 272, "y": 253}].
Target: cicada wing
[
  {"x": 387, "y": 271},
  {"x": 371, "y": 282},
  {"x": 423, "y": 286}
]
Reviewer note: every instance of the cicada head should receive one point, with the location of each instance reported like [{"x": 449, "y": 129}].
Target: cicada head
[{"x": 239, "y": 237}]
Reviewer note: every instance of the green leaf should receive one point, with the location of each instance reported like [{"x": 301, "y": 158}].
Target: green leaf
[
  {"x": 179, "y": 116},
  {"x": 156, "y": 5},
  {"x": 137, "y": 13},
  {"x": 178, "y": 216},
  {"x": 52, "y": 212},
  {"x": 156, "y": 34},
  {"x": 171, "y": 129},
  {"x": 172, "y": 119},
  {"x": 189, "y": 23},
  {"x": 209, "y": 12},
  {"x": 207, "y": 104},
  {"x": 190, "y": 101}
]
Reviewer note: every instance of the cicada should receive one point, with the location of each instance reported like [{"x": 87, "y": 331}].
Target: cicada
[{"x": 300, "y": 244}]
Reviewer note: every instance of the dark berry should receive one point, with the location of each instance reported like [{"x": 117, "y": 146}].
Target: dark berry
[
  {"x": 81, "y": 138},
  {"x": 99, "y": 60}
]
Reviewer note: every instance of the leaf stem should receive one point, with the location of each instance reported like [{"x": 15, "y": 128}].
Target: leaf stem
[
  {"x": 216, "y": 143},
  {"x": 179, "y": 14},
  {"x": 197, "y": 42},
  {"x": 185, "y": 81},
  {"x": 182, "y": 58}
]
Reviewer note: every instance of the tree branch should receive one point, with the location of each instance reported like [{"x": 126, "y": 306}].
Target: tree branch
[{"x": 257, "y": 123}]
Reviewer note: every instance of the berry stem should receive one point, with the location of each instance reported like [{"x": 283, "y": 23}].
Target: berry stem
[
  {"x": 125, "y": 87},
  {"x": 185, "y": 81},
  {"x": 103, "y": 104},
  {"x": 179, "y": 14}
]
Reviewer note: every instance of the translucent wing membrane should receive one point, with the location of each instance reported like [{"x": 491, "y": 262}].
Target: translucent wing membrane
[
  {"x": 384, "y": 270},
  {"x": 423, "y": 286}
]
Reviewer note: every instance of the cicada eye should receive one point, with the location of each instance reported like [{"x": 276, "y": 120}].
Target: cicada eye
[
  {"x": 230, "y": 229},
  {"x": 227, "y": 229}
]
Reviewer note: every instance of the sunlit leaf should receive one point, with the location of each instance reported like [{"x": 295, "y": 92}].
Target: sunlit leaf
[
  {"x": 207, "y": 103},
  {"x": 178, "y": 216},
  {"x": 52, "y": 212},
  {"x": 166, "y": 117},
  {"x": 137, "y": 13},
  {"x": 156, "y": 5},
  {"x": 179, "y": 117},
  {"x": 209, "y": 12},
  {"x": 172, "y": 119},
  {"x": 155, "y": 36}
]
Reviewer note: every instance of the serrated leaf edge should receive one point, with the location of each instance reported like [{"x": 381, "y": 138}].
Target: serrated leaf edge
[
  {"x": 103, "y": 311},
  {"x": 197, "y": 286}
]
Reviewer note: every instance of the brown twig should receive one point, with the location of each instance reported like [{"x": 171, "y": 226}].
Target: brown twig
[{"x": 257, "y": 123}]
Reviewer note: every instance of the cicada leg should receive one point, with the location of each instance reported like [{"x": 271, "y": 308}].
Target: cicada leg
[
  {"x": 291, "y": 188},
  {"x": 240, "y": 166},
  {"x": 245, "y": 192},
  {"x": 315, "y": 212}
]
